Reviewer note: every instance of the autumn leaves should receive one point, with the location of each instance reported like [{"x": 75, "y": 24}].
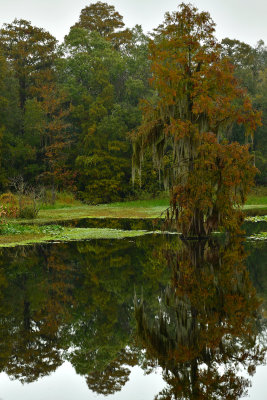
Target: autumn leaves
[{"x": 198, "y": 101}]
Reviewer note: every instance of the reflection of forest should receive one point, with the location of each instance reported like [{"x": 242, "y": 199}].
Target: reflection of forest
[
  {"x": 195, "y": 307},
  {"x": 76, "y": 296}
]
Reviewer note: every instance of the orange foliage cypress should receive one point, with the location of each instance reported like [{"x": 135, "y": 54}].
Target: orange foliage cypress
[{"x": 198, "y": 100}]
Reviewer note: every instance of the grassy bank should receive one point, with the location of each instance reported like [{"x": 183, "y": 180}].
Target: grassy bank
[
  {"x": 14, "y": 232},
  {"x": 131, "y": 209},
  {"x": 258, "y": 196}
]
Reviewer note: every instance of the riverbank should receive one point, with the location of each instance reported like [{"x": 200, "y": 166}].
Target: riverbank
[
  {"x": 131, "y": 209},
  {"x": 44, "y": 228}
]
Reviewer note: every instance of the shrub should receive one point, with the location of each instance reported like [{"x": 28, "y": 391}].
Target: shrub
[
  {"x": 9, "y": 204},
  {"x": 66, "y": 198},
  {"x": 28, "y": 212}
]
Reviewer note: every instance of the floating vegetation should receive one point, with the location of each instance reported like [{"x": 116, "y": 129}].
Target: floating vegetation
[
  {"x": 259, "y": 218},
  {"x": 35, "y": 234},
  {"x": 258, "y": 236},
  {"x": 51, "y": 229}
]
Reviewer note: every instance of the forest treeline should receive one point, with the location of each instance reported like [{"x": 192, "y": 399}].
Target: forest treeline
[{"x": 68, "y": 110}]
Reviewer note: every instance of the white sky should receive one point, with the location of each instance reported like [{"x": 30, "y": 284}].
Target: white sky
[{"x": 245, "y": 20}]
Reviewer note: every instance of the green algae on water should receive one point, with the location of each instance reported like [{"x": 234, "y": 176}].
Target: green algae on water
[{"x": 47, "y": 234}]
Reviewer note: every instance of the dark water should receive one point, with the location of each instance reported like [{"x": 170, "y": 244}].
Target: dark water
[
  {"x": 150, "y": 224},
  {"x": 144, "y": 318}
]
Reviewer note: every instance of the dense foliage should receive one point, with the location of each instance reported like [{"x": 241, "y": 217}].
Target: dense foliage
[
  {"x": 198, "y": 101},
  {"x": 67, "y": 110}
]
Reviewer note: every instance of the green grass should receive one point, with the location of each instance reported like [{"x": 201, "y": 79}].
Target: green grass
[
  {"x": 130, "y": 209},
  {"x": 140, "y": 209},
  {"x": 55, "y": 206},
  {"x": 21, "y": 232},
  {"x": 67, "y": 208},
  {"x": 60, "y": 204},
  {"x": 256, "y": 200},
  {"x": 258, "y": 196},
  {"x": 142, "y": 203}
]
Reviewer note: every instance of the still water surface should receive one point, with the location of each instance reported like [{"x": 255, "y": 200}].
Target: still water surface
[{"x": 134, "y": 319}]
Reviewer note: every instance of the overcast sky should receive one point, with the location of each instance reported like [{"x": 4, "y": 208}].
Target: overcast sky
[{"x": 238, "y": 19}]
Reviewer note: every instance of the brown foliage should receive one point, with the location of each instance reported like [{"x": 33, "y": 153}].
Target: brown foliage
[
  {"x": 207, "y": 323},
  {"x": 198, "y": 100}
]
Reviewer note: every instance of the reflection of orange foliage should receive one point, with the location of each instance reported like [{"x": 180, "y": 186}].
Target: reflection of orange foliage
[
  {"x": 58, "y": 296},
  {"x": 207, "y": 318},
  {"x": 182, "y": 354},
  {"x": 220, "y": 293}
]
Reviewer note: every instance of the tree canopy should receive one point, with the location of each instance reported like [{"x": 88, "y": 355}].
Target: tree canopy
[
  {"x": 198, "y": 100},
  {"x": 103, "y": 18},
  {"x": 66, "y": 111}
]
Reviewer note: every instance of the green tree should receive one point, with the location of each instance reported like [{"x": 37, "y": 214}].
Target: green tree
[
  {"x": 31, "y": 54},
  {"x": 103, "y": 86},
  {"x": 250, "y": 68},
  {"x": 104, "y": 19},
  {"x": 89, "y": 75},
  {"x": 10, "y": 120}
]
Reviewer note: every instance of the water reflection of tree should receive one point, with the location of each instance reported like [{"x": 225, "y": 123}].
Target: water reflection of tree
[
  {"x": 206, "y": 325},
  {"x": 115, "y": 375},
  {"x": 75, "y": 302},
  {"x": 35, "y": 289},
  {"x": 256, "y": 262},
  {"x": 102, "y": 327}
]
